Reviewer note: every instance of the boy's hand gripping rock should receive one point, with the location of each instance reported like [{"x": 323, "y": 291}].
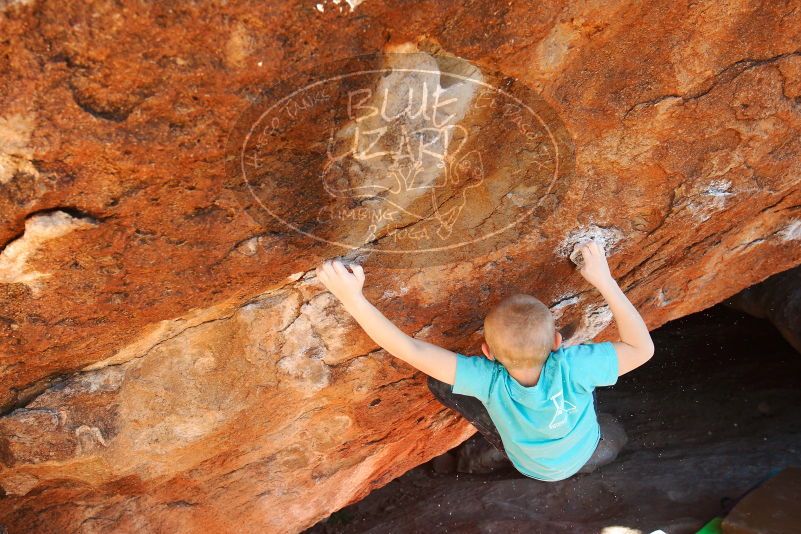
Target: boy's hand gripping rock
[
  {"x": 594, "y": 269},
  {"x": 343, "y": 284}
]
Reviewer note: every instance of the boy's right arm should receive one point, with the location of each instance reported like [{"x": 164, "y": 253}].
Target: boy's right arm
[
  {"x": 635, "y": 346},
  {"x": 346, "y": 286}
]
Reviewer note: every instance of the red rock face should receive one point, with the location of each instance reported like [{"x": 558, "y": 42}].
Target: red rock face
[{"x": 169, "y": 362}]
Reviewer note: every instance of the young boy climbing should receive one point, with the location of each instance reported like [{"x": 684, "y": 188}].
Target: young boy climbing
[{"x": 531, "y": 397}]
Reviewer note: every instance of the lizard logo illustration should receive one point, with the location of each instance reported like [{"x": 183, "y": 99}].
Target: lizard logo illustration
[
  {"x": 412, "y": 157},
  {"x": 562, "y": 409},
  {"x": 412, "y": 174}
]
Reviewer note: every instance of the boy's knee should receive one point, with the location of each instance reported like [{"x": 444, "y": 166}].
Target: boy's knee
[
  {"x": 613, "y": 439},
  {"x": 612, "y": 431}
]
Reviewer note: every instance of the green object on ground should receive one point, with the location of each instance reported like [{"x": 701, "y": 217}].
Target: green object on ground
[{"x": 713, "y": 527}]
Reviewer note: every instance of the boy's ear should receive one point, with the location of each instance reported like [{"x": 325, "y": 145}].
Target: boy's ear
[
  {"x": 557, "y": 340},
  {"x": 486, "y": 350}
]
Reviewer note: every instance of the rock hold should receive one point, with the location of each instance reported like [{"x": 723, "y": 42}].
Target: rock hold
[{"x": 606, "y": 238}]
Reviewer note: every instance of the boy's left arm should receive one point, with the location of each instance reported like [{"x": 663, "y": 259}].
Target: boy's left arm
[{"x": 347, "y": 287}]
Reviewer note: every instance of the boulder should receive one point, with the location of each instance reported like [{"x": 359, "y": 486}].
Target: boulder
[
  {"x": 777, "y": 299},
  {"x": 168, "y": 360},
  {"x": 769, "y": 509}
]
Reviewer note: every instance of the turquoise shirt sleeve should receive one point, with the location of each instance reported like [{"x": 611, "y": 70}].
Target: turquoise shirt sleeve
[
  {"x": 473, "y": 376},
  {"x": 593, "y": 364}
]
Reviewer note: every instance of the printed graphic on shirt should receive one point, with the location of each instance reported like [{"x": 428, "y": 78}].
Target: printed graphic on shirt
[{"x": 562, "y": 409}]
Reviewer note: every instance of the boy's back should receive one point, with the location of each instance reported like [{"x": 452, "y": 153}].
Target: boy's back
[{"x": 549, "y": 430}]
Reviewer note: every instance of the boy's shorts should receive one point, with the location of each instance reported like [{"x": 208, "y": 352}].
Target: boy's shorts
[{"x": 474, "y": 411}]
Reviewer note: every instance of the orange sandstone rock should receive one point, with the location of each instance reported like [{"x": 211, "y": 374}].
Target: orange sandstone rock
[{"x": 168, "y": 361}]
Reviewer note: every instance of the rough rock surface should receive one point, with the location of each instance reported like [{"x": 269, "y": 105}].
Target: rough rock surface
[{"x": 170, "y": 364}]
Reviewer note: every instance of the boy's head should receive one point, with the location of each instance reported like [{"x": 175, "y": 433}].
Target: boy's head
[{"x": 520, "y": 332}]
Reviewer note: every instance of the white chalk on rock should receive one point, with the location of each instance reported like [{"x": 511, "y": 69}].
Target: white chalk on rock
[{"x": 606, "y": 237}]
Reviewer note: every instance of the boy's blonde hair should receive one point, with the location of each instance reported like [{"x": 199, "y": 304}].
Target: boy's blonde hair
[{"x": 520, "y": 332}]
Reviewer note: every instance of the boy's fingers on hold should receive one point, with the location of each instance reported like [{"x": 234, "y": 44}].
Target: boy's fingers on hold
[
  {"x": 340, "y": 269},
  {"x": 329, "y": 268},
  {"x": 358, "y": 270}
]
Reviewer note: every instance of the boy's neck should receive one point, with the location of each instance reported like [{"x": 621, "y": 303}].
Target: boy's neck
[{"x": 526, "y": 377}]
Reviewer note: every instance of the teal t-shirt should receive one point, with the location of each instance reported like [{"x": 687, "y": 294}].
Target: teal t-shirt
[{"x": 550, "y": 429}]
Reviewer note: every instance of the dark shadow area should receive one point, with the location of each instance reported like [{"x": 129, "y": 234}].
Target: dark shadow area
[{"x": 714, "y": 413}]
